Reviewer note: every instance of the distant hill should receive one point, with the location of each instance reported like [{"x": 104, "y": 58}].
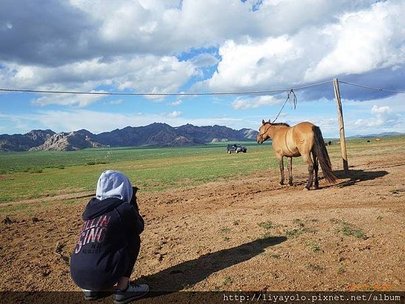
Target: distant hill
[
  {"x": 384, "y": 134},
  {"x": 156, "y": 134},
  {"x": 69, "y": 141},
  {"x": 24, "y": 142}
]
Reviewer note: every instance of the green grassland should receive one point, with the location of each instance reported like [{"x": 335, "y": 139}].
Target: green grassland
[{"x": 26, "y": 175}]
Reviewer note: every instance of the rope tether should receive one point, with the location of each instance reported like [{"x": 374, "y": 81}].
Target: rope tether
[{"x": 294, "y": 100}]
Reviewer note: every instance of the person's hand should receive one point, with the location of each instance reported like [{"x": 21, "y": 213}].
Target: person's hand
[{"x": 133, "y": 199}]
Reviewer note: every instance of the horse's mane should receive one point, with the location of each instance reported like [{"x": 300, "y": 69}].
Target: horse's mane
[{"x": 279, "y": 124}]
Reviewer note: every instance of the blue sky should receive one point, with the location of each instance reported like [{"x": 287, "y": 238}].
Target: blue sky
[{"x": 192, "y": 46}]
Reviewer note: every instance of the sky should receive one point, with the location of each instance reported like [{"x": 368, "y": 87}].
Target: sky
[{"x": 201, "y": 46}]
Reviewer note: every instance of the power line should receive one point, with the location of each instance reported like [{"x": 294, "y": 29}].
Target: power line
[
  {"x": 264, "y": 92},
  {"x": 138, "y": 94},
  {"x": 371, "y": 88}
]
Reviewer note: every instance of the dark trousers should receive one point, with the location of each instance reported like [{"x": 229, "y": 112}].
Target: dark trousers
[{"x": 132, "y": 257}]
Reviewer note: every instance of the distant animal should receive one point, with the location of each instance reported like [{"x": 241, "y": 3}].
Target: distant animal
[{"x": 304, "y": 139}]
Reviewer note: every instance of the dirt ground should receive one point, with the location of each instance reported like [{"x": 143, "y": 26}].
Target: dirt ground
[{"x": 247, "y": 234}]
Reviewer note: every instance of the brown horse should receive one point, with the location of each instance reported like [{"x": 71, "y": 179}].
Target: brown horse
[{"x": 303, "y": 140}]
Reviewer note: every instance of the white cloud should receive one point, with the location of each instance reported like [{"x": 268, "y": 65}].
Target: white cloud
[
  {"x": 354, "y": 42},
  {"x": 98, "y": 122},
  {"x": 163, "y": 27},
  {"x": 376, "y": 116},
  {"x": 141, "y": 45},
  {"x": 154, "y": 74},
  {"x": 116, "y": 102},
  {"x": 174, "y": 114},
  {"x": 383, "y": 117},
  {"x": 252, "y": 64},
  {"x": 177, "y": 102},
  {"x": 248, "y": 103},
  {"x": 80, "y": 29},
  {"x": 362, "y": 41},
  {"x": 94, "y": 121},
  {"x": 67, "y": 99},
  {"x": 204, "y": 60},
  {"x": 144, "y": 74},
  {"x": 132, "y": 44},
  {"x": 380, "y": 109}
]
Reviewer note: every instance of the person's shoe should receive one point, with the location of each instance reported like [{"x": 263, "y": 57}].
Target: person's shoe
[
  {"x": 133, "y": 292},
  {"x": 91, "y": 295}
]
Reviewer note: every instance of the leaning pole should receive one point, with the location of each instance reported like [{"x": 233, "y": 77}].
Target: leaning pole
[{"x": 341, "y": 126}]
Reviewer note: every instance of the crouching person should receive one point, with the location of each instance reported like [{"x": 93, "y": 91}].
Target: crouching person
[{"x": 109, "y": 241}]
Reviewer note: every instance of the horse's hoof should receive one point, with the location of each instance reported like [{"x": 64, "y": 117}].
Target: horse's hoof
[
  {"x": 290, "y": 183},
  {"x": 305, "y": 189},
  {"x": 281, "y": 183}
]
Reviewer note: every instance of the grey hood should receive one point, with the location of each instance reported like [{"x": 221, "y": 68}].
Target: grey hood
[{"x": 114, "y": 184}]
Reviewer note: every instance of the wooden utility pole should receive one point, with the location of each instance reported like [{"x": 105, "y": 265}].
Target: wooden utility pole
[{"x": 341, "y": 126}]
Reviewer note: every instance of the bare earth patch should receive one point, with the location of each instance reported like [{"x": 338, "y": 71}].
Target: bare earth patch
[{"x": 250, "y": 234}]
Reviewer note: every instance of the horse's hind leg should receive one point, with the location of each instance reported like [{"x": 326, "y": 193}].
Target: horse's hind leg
[
  {"x": 281, "y": 165},
  {"x": 308, "y": 160},
  {"x": 316, "y": 168},
  {"x": 290, "y": 177}
]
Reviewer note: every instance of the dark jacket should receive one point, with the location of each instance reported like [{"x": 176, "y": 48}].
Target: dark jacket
[{"x": 109, "y": 235}]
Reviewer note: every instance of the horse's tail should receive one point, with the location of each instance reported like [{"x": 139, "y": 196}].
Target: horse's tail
[{"x": 322, "y": 154}]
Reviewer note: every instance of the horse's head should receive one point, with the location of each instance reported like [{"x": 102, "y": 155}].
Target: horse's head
[{"x": 263, "y": 132}]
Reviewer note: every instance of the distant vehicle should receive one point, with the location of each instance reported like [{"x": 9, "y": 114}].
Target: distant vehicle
[{"x": 235, "y": 148}]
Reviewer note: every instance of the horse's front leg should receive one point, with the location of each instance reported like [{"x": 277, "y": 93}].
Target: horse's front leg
[
  {"x": 281, "y": 165},
  {"x": 290, "y": 177}
]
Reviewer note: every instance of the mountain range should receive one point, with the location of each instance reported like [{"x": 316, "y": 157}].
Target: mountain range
[
  {"x": 383, "y": 134},
  {"x": 156, "y": 134}
]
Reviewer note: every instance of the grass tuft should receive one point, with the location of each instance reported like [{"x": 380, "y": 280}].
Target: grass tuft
[
  {"x": 350, "y": 230},
  {"x": 313, "y": 246},
  {"x": 266, "y": 225}
]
